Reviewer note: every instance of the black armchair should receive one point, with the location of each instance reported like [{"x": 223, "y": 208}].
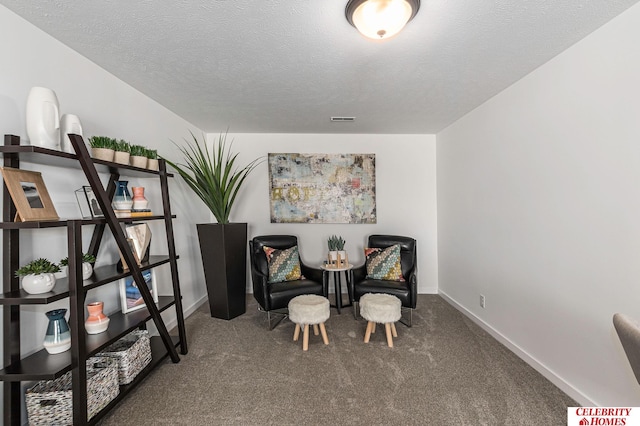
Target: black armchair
[
  {"x": 275, "y": 297},
  {"x": 406, "y": 291}
]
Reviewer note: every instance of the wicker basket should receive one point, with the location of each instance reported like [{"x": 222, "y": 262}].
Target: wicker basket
[
  {"x": 133, "y": 353},
  {"x": 50, "y": 402}
]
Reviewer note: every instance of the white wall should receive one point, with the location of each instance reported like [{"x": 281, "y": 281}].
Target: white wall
[
  {"x": 405, "y": 194},
  {"x": 539, "y": 211},
  {"x": 106, "y": 106}
]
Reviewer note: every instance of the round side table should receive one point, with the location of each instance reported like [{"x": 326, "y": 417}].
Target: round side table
[{"x": 337, "y": 283}]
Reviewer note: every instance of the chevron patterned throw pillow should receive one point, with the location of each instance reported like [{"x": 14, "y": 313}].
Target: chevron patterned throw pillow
[
  {"x": 284, "y": 265},
  {"x": 384, "y": 264}
]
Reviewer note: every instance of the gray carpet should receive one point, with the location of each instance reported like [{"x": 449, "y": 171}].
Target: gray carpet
[{"x": 444, "y": 370}]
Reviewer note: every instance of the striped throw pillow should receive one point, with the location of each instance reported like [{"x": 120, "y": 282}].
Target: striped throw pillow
[
  {"x": 284, "y": 265},
  {"x": 384, "y": 264}
]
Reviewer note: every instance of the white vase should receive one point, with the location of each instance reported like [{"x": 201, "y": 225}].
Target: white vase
[
  {"x": 38, "y": 283},
  {"x": 43, "y": 118},
  {"x": 69, "y": 123},
  {"x": 87, "y": 270}
]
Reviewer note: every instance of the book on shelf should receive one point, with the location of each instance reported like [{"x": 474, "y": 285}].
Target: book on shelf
[{"x": 133, "y": 213}]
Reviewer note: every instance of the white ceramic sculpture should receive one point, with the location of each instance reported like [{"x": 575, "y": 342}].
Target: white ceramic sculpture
[
  {"x": 69, "y": 123},
  {"x": 43, "y": 118}
]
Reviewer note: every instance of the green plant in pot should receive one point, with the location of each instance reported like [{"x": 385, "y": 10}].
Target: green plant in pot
[
  {"x": 87, "y": 264},
  {"x": 38, "y": 276},
  {"x": 215, "y": 177},
  {"x": 138, "y": 156},
  {"x": 336, "y": 249},
  {"x": 102, "y": 147},
  {"x": 122, "y": 152},
  {"x": 152, "y": 159}
]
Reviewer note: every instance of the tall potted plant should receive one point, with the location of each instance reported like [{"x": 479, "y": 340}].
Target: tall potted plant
[{"x": 214, "y": 176}]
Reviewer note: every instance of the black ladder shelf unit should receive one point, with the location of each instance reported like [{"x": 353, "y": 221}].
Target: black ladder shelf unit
[{"x": 40, "y": 365}]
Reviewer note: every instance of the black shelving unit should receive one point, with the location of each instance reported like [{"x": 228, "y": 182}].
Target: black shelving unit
[{"x": 41, "y": 365}]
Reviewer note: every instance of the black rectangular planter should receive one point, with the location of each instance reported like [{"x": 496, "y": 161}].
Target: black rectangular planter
[{"x": 224, "y": 257}]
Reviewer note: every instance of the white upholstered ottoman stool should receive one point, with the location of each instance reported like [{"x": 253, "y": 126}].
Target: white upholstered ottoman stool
[
  {"x": 383, "y": 309},
  {"x": 307, "y": 310}
]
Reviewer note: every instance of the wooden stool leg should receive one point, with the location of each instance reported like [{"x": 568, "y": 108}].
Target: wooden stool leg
[
  {"x": 323, "y": 330},
  {"x": 373, "y": 328},
  {"x": 393, "y": 329},
  {"x": 296, "y": 333},
  {"x": 315, "y": 329},
  {"x": 367, "y": 335},
  {"x": 387, "y": 328},
  {"x": 305, "y": 338}
]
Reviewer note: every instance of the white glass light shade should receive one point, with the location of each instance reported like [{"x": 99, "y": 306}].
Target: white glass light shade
[{"x": 380, "y": 19}]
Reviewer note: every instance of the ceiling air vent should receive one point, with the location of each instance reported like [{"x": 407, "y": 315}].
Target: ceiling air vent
[{"x": 343, "y": 119}]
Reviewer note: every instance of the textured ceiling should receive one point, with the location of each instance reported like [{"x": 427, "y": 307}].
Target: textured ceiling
[{"x": 287, "y": 66}]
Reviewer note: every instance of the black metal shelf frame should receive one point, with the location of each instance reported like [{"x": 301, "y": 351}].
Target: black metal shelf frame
[{"x": 41, "y": 365}]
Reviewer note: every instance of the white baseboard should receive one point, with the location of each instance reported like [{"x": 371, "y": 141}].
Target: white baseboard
[
  {"x": 187, "y": 311},
  {"x": 549, "y": 374}
]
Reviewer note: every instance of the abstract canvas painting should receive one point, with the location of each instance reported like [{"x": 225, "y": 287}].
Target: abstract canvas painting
[{"x": 322, "y": 188}]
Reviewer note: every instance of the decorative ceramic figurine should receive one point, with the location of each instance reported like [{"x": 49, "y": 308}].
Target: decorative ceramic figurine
[
  {"x": 69, "y": 123},
  {"x": 43, "y": 118}
]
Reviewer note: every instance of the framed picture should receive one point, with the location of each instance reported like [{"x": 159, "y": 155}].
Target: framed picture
[
  {"x": 94, "y": 207},
  {"x": 83, "y": 204},
  {"x": 29, "y": 194},
  {"x": 130, "y": 295},
  {"x": 88, "y": 203}
]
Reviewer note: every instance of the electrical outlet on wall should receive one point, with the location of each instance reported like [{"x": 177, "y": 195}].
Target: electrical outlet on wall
[{"x": 482, "y": 300}]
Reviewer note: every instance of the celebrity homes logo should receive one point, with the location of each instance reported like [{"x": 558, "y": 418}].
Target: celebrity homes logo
[{"x": 603, "y": 416}]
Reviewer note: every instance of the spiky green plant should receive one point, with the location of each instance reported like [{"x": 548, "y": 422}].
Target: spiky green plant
[
  {"x": 102, "y": 142},
  {"x": 331, "y": 243},
  {"x": 138, "y": 151},
  {"x": 122, "y": 146},
  {"x": 213, "y": 174},
  {"x": 335, "y": 243},
  {"x": 38, "y": 266},
  {"x": 86, "y": 257},
  {"x": 151, "y": 153}
]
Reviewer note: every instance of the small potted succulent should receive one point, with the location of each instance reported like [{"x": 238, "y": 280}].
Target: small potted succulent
[
  {"x": 138, "y": 156},
  {"x": 152, "y": 159},
  {"x": 87, "y": 264},
  {"x": 102, "y": 147},
  {"x": 123, "y": 150},
  {"x": 38, "y": 276},
  {"x": 337, "y": 255},
  {"x": 332, "y": 244}
]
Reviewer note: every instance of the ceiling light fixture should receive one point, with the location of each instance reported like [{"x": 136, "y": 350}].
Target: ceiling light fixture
[{"x": 381, "y": 19}]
